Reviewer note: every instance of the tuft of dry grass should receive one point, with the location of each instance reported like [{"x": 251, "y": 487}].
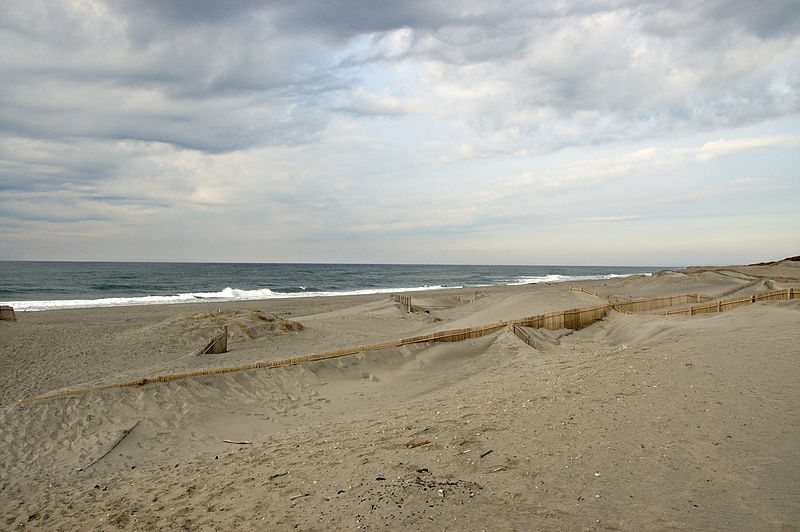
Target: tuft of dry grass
[
  {"x": 249, "y": 323},
  {"x": 202, "y": 315},
  {"x": 245, "y": 329},
  {"x": 289, "y": 325}
]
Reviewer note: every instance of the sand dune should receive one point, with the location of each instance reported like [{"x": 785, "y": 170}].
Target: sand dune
[{"x": 636, "y": 422}]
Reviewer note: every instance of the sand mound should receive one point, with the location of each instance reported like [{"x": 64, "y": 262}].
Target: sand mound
[
  {"x": 382, "y": 308},
  {"x": 177, "y": 419},
  {"x": 672, "y": 283},
  {"x": 243, "y": 324}
]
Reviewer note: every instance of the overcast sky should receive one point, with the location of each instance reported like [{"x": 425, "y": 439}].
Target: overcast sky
[{"x": 552, "y": 132}]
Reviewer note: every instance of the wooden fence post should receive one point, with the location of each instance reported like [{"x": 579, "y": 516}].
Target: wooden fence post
[
  {"x": 218, "y": 344},
  {"x": 7, "y": 313}
]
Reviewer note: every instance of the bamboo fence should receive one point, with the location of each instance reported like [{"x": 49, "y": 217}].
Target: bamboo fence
[
  {"x": 653, "y": 303},
  {"x": 576, "y": 318},
  {"x": 403, "y": 300},
  {"x": 728, "y": 304},
  {"x": 568, "y": 319},
  {"x": 587, "y": 291},
  {"x": 218, "y": 344},
  {"x": 455, "y": 335},
  {"x": 742, "y": 287},
  {"x": 523, "y": 335}
]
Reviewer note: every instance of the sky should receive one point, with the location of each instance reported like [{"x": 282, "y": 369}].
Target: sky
[{"x": 608, "y": 132}]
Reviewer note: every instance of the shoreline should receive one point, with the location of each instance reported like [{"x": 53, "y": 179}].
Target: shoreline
[
  {"x": 45, "y": 288},
  {"x": 514, "y": 434}
]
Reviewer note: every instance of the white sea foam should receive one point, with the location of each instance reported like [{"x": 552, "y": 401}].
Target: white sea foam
[
  {"x": 555, "y": 278},
  {"x": 228, "y": 294},
  {"x": 236, "y": 294}
]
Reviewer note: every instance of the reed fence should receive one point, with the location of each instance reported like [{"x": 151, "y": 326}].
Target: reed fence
[
  {"x": 576, "y": 318},
  {"x": 402, "y": 299},
  {"x": 218, "y": 344},
  {"x": 649, "y": 303},
  {"x": 523, "y": 335},
  {"x": 587, "y": 291},
  {"x": 741, "y": 287},
  {"x": 454, "y": 335},
  {"x": 653, "y": 303},
  {"x": 566, "y": 319},
  {"x": 728, "y": 304}
]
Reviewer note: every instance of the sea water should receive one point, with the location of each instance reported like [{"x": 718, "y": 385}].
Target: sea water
[{"x": 58, "y": 285}]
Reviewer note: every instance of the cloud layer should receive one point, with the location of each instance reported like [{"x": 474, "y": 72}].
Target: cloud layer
[{"x": 323, "y": 130}]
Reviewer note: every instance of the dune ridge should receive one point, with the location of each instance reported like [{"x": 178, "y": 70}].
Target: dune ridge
[{"x": 568, "y": 319}]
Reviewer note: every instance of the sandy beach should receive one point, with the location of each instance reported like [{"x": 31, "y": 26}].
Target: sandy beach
[{"x": 639, "y": 421}]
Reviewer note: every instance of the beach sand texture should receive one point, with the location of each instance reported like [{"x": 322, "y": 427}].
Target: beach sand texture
[{"x": 636, "y": 422}]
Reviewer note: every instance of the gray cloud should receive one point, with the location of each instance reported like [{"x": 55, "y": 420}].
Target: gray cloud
[
  {"x": 764, "y": 19},
  {"x": 224, "y": 76},
  {"x": 192, "y": 84},
  {"x": 609, "y": 76},
  {"x": 313, "y": 113}
]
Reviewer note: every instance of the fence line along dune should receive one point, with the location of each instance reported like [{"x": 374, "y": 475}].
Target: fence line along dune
[
  {"x": 574, "y": 319},
  {"x": 728, "y": 304}
]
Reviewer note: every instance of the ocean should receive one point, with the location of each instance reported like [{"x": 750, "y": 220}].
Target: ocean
[{"x": 59, "y": 285}]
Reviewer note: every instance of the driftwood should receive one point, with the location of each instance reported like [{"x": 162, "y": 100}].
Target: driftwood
[
  {"x": 119, "y": 440},
  {"x": 300, "y": 496},
  {"x": 237, "y": 442},
  {"x": 487, "y": 452},
  {"x": 418, "y": 444}
]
